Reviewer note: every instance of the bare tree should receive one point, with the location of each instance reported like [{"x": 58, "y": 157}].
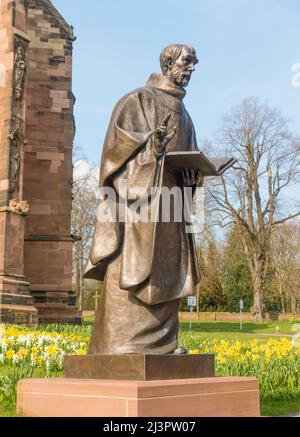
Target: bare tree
[
  {"x": 85, "y": 188},
  {"x": 286, "y": 263},
  {"x": 251, "y": 196}
]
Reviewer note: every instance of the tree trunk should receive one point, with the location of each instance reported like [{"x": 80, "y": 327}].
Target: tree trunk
[
  {"x": 198, "y": 293},
  {"x": 281, "y": 297},
  {"x": 293, "y": 305},
  {"x": 257, "y": 282},
  {"x": 77, "y": 277},
  {"x": 258, "y": 307},
  {"x": 81, "y": 287}
]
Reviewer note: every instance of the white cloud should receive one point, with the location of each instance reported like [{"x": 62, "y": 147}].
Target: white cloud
[
  {"x": 83, "y": 169},
  {"x": 296, "y": 75}
]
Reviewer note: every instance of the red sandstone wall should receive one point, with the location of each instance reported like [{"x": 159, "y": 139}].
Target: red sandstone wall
[
  {"x": 37, "y": 112},
  {"x": 12, "y": 24},
  {"x": 6, "y": 69},
  {"x": 15, "y": 300},
  {"x": 49, "y": 124},
  {"x": 48, "y": 154}
]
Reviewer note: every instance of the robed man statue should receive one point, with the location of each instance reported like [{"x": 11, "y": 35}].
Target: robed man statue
[{"x": 146, "y": 266}]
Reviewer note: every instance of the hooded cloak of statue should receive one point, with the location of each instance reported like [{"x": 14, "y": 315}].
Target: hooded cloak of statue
[{"x": 147, "y": 266}]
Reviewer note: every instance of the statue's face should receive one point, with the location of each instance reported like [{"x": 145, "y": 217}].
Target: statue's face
[
  {"x": 181, "y": 70},
  {"x": 19, "y": 52}
]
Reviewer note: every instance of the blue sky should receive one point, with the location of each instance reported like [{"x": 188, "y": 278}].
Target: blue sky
[{"x": 245, "y": 48}]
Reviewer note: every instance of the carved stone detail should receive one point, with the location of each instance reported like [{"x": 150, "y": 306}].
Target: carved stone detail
[
  {"x": 16, "y": 139},
  {"x": 19, "y": 66},
  {"x": 20, "y": 207}
]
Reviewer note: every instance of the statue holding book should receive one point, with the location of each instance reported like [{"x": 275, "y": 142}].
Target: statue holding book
[{"x": 147, "y": 265}]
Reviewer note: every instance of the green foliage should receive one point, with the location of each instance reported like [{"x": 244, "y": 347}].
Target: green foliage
[
  {"x": 9, "y": 381},
  {"x": 226, "y": 277},
  {"x": 238, "y": 286},
  {"x": 273, "y": 304},
  {"x": 84, "y": 329},
  {"x": 275, "y": 363},
  {"x": 211, "y": 296},
  {"x": 210, "y": 290}
]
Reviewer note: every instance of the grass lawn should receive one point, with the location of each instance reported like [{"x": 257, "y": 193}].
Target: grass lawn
[
  {"x": 234, "y": 327},
  {"x": 231, "y": 330},
  {"x": 207, "y": 326},
  {"x": 280, "y": 408},
  {"x": 7, "y": 411}
]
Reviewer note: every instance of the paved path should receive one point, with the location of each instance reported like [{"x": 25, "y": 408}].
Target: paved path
[{"x": 267, "y": 334}]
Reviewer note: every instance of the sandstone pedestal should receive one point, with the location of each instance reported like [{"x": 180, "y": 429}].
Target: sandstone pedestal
[{"x": 195, "y": 397}]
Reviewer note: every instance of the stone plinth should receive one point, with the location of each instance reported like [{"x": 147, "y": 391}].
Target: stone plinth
[
  {"x": 200, "y": 397},
  {"x": 139, "y": 367},
  {"x": 16, "y": 303}
]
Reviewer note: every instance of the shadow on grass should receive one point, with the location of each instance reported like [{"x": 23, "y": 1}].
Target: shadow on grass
[
  {"x": 88, "y": 321},
  {"x": 224, "y": 326},
  {"x": 280, "y": 408}
]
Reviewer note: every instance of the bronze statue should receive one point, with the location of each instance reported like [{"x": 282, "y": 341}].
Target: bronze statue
[{"x": 147, "y": 266}]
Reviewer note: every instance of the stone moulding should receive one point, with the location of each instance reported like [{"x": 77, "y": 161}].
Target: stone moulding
[
  {"x": 19, "y": 33},
  {"x": 67, "y": 238}
]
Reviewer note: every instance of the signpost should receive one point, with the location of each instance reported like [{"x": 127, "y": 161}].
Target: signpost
[
  {"x": 241, "y": 313},
  {"x": 192, "y": 303}
]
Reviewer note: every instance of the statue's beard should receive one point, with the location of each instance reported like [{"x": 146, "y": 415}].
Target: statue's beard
[{"x": 180, "y": 77}]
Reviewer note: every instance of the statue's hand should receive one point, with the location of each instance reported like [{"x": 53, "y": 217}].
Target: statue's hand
[
  {"x": 190, "y": 177},
  {"x": 162, "y": 137}
]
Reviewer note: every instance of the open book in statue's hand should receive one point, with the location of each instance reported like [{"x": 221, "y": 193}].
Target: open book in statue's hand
[{"x": 199, "y": 162}]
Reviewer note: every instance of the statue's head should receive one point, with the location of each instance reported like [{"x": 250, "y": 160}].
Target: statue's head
[
  {"x": 19, "y": 52},
  {"x": 178, "y": 62}
]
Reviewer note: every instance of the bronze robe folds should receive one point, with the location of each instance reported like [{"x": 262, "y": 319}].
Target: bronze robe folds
[{"x": 146, "y": 266}]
